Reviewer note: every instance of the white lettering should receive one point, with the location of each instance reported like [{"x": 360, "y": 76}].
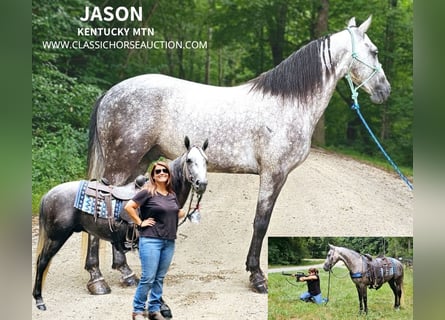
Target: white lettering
[
  {"x": 143, "y": 31},
  {"x": 109, "y": 14}
]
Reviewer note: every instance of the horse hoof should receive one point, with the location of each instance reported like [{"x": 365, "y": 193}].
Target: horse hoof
[
  {"x": 258, "y": 283},
  {"x": 41, "y": 307},
  {"x": 98, "y": 287},
  {"x": 130, "y": 281}
]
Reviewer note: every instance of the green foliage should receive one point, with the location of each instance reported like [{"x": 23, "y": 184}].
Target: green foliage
[
  {"x": 59, "y": 100},
  {"x": 284, "y": 303},
  {"x": 283, "y": 251},
  {"x": 57, "y": 157}
]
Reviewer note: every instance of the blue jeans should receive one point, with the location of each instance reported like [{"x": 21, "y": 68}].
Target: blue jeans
[
  {"x": 156, "y": 256},
  {"x": 307, "y": 296}
]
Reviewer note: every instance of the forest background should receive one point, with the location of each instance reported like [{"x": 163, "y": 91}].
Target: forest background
[
  {"x": 292, "y": 250},
  {"x": 245, "y": 38}
]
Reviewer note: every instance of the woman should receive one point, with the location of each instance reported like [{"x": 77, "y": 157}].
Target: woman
[
  {"x": 157, "y": 223},
  {"x": 313, "y": 286}
]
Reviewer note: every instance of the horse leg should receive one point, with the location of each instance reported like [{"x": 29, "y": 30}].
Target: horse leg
[
  {"x": 49, "y": 250},
  {"x": 120, "y": 263},
  {"x": 270, "y": 187},
  {"x": 397, "y": 290},
  {"x": 360, "y": 297},
  {"x": 96, "y": 284},
  {"x": 365, "y": 299}
]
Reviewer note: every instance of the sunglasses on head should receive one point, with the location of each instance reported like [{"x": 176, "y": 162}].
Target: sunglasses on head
[{"x": 163, "y": 170}]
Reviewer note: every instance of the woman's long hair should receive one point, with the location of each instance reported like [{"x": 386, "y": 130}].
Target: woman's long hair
[{"x": 152, "y": 186}]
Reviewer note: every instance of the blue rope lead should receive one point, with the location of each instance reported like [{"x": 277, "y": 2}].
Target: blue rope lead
[{"x": 355, "y": 106}]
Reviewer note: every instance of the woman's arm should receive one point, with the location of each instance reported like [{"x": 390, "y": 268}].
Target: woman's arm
[
  {"x": 131, "y": 207},
  {"x": 308, "y": 278}
]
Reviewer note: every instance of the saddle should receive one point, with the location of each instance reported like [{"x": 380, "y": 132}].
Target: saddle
[
  {"x": 104, "y": 192},
  {"x": 378, "y": 269}
]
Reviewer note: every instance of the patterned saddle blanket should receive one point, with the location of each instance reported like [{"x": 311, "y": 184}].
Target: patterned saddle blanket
[{"x": 103, "y": 201}]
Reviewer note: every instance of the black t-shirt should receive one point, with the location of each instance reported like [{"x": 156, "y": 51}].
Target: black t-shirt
[
  {"x": 163, "y": 209},
  {"x": 313, "y": 286}
]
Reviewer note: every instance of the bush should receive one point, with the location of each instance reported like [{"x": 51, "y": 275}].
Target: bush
[{"x": 57, "y": 157}]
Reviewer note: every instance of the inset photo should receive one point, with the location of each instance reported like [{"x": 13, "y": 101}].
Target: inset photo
[{"x": 340, "y": 277}]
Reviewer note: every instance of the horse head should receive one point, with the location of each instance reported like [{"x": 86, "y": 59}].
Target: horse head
[
  {"x": 331, "y": 258},
  {"x": 365, "y": 69},
  {"x": 195, "y": 165}
]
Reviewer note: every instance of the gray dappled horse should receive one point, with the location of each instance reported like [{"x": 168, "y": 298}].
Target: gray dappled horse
[
  {"x": 366, "y": 271},
  {"x": 262, "y": 127},
  {"x": 59, "y": 218}
]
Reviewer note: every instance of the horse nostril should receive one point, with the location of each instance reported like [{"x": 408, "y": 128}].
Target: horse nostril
[{"x": 201, "y": 185}]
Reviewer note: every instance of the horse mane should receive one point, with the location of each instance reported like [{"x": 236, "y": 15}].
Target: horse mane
[
  {"x": 176, "y": 172},
  {"x": 298, "y": 76}
]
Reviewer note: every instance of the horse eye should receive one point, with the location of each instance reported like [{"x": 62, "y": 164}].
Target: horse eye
[
  {"x": 189, "y": 160},
  {"x": 375, "y": 52}
]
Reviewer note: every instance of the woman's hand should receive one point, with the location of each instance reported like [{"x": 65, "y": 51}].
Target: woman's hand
[{"x": 147, "y": 223}]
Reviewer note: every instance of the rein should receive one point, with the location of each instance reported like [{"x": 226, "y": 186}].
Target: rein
[
  {"x": 355, "y": 106},
  {"x": 189, "y": 211},
  {"x": 293, "y": 284}
]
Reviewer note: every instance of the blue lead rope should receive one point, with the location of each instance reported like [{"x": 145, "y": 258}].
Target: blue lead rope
[{"x": 355, "y": 106}]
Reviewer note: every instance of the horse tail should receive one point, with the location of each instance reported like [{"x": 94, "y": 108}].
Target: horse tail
[
  {"x": 43, "y": 237},
  {"x": 402, "y": 293},
  {"x": 95, "y": 154},
  {"x": 402, "y": 275}
]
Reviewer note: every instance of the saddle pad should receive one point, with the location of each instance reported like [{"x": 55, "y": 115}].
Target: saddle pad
[{"x": 87, "y": 203}]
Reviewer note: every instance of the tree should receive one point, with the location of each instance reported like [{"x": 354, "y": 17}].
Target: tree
[
  {"x": 320, "y": 28},
  {"x": 286, "y": 250}
]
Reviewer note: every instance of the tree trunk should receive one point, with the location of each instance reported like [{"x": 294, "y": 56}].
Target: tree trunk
[
  {"x": 277, "y": 29},
  {"x": 207, "y": 61},
  {"x": 388, "y": 64},
  {"x": 320, "y": 28}
]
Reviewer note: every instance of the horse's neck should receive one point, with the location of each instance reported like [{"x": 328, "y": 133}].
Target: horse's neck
[
  {"x": 336, "y": 57},
  {"x": 180, "y": 184},
  {"x": 351, "y": 259},
  {"x": 341, "y": 50}
]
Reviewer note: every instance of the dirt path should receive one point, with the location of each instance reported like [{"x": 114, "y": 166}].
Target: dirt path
[{"x": 207, "y": 278}]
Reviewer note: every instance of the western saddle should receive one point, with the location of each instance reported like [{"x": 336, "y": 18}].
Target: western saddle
[{"x": 378, "y": 269}]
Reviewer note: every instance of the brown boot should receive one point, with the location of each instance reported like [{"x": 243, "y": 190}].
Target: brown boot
[{"x": 155, "y": 316}]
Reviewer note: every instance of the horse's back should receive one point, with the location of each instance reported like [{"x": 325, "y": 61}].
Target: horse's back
[{"x": 156, "y": 92}]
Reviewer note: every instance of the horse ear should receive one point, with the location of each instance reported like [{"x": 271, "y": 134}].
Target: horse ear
[
  {"x": 365, "y": 25},
  {"x": 351, "y": 22},
  {"x": 330, "y": 246},
  {"x": 187, "y": 142},
  {"x": 205, "y": 145}
]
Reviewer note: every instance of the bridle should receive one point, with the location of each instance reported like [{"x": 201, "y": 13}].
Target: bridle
[
  {"x": 190, "y": 179},
  {"x": 355, "y": 57},
  {"x": 329, "y": 277},
  {"x": 185, "y": 168}
]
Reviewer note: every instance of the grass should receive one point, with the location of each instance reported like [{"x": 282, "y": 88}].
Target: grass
[
  {"x": 284, "y": 303},
  {"x": 378, "y": 162}
]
